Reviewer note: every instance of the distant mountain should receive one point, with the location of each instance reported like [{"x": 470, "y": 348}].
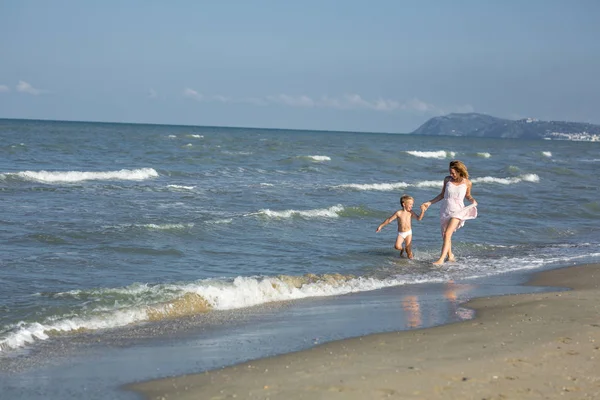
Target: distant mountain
[{"x": 481, "y": 125}]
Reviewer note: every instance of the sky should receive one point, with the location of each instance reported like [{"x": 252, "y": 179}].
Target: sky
[{"x": 346, "y": 65}]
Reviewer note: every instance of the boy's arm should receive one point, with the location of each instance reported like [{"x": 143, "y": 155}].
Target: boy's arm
[
  {"x": 387, "y": 221},
  {"x": 417, "y": 216}
]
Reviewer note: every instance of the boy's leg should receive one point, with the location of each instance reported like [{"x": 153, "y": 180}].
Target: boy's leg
[
  {"x": 398, "y": 245},
  {"x": 408, "y": 244}
]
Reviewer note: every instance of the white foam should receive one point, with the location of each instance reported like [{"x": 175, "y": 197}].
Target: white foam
[
  {"x": 181, "y": 187},
  {"x": 319, "y": 158},
  {"x": 26, "y": 333},
  {"x": 374, "y": 186},
  {"x": 238, "y": 153},
  {"x": 220, "y": 221},
  {"x": 484, "y": 155},
  {"x": 166, "y": 226},
  {"x": 508, "y": 181},
  {"x": 331, "y": 212},
  {"x": 546, "y": 153},
  {"x": 429, "y": 184},
  {"x": 432, "y": 154},
  {"x": 78, "y": 176},
  {"x": 220, "y": 295},
  {"x": 402, "y": 185},
  {"x": 434, "y": 184},
  {"x": 250, "y": 291}
]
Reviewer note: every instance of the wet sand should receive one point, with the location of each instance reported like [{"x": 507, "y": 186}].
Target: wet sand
[{"x": 527, "y": 346}]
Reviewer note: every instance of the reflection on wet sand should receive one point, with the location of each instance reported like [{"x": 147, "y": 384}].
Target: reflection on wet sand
[
  {"x": 411, "y": 306},
  {"x": 415, "y": 308}
]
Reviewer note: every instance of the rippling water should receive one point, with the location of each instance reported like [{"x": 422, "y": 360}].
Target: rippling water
[{"x": 109, "y": 225}]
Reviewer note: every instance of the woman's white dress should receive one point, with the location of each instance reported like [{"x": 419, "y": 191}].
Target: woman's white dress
[{"x": 453, "y": 206}]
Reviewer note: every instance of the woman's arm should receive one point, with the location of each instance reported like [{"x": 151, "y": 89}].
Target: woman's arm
[
  {"x": 468, "y": 194},
  {"x": 439, "y": 196}
]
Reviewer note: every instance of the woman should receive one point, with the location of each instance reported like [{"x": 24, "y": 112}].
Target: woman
[{"x": 453, "y": 212}]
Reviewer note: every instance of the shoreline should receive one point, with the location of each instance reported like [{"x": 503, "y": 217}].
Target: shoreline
[{"x": 537, "y": 345}]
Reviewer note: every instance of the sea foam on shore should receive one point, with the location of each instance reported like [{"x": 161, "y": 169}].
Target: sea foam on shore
[{"x": 541, "y": 345}]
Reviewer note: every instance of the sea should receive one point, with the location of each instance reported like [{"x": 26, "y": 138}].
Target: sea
[{"x": 132, "y": 252}]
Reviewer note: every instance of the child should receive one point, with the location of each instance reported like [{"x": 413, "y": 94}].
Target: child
[{"x": 404, "y": 217}]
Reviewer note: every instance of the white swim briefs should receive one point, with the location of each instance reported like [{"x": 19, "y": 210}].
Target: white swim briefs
[{"x": 405, "y": 234}]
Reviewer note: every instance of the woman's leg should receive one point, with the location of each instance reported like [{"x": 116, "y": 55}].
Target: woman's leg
[
  {"x": 451, "y": 254},
  {"x": 447, "y": 244}
]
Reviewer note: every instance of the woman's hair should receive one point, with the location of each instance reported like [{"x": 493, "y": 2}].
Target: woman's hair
[
  {"x": 460, "y": 167},
  {"x": 405, "y": 198}
]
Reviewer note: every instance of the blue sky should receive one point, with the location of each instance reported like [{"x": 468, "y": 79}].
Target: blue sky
[{"x": 376, "y": 66}]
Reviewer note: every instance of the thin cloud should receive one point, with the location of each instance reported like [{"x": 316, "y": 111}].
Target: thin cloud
[
  {"x": 223, "y": 99},
  {"x": 24, "y": 87},
  {"x": 345, "y": 102},
  {"x": 4, "y": 89},
  {"x": 152, "y": 94},
  {"x": 292, "y": 101},
  {"x": 192, "y": 94}
]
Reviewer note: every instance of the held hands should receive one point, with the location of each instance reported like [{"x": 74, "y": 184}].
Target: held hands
[{"x": 425, "y": 206}]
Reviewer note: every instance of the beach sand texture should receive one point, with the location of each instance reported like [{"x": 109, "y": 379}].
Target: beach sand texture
[{"x": 531, "y": 346}]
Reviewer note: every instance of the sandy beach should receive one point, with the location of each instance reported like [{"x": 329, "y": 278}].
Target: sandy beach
[{"x": 529, "y": 346}]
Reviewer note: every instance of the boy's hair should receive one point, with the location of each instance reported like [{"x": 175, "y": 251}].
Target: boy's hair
[{"x": 404, "y": 198}]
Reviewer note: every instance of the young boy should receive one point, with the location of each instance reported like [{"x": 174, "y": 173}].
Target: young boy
[{"x": 404, "y": 217}]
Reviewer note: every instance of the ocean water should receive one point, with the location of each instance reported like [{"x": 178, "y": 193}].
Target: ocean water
[{"x": 113, "y": 229}]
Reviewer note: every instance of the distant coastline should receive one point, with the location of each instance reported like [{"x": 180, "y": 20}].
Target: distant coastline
[
  {"x": 455, "y": 124},
  {"x": 68, "y": 121},
  {"x": 482, "y": 125}
]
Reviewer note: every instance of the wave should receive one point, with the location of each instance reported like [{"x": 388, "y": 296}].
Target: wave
[
  {"x": 374, "y": 186},
  {"x": 78, "y": 176},
  {"x": 547, "y": 153},
  {"x": 484, "y": 155},
  {"x": 435, "y": 184},
  {"x": 331, "y": 212},
  {"x": 111, "y": 308},
  {"x": 237, "y": 153},
  {"x": 166, "y": 226},
  {"x": 137, "y": 303},
  {"x": 432, "y": 154},
  {"x": 315, "y": 158},
  {"x": 508, "y": 181},
  {"x": 426, "y": 184},
  {"x": 180, "y": 187},
  {"x": 150, "y": 226}
]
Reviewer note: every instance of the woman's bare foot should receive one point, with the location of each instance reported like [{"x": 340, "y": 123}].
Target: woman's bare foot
[
  {"x": 451, "y": 258},
  {"x": 439, "y": 262}
]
